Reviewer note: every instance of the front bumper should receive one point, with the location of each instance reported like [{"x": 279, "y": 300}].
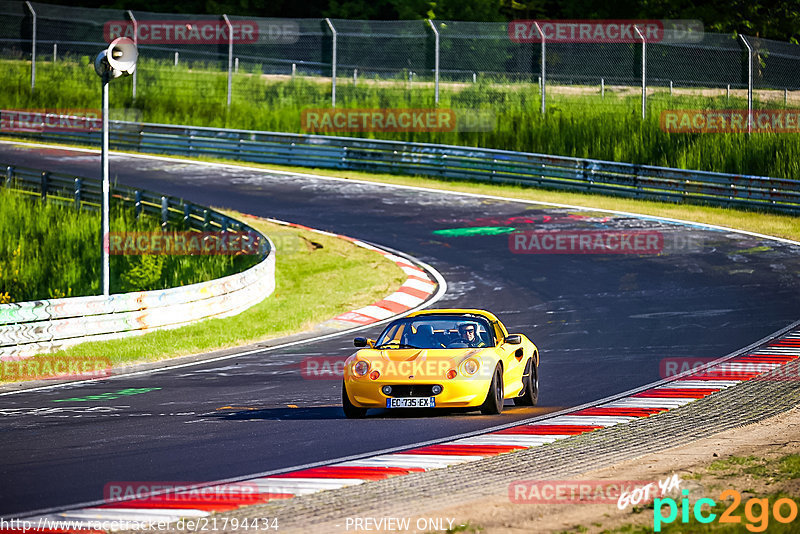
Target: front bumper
[{"x": 456, "y": 393}]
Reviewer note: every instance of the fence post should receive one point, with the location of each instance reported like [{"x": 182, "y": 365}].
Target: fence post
[
  {"x": 435, "y": 61},
  {"x": 644, "y": 71},
  {"x": 333, "y": 63},
  {"x": 544, "y": 63},
  {"x": 55, "y": 52},
  {"x": 44, "y": 184},
  {"x": 136, "y": 43},
  {"x": 749, "y": 84},
  {"x": 137, "y": 205},
  {"x": 176, "y": 60},
  {"x": 602, "y": 87},
  {"x": 164, "y": 212},
  {"x": 33, "y": 46},
  {"x": 78, "y": 191},
  {"x": 230, "y": 56}
]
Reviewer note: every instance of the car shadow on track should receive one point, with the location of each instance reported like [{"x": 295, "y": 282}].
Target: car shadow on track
[{"x": 335, "y": 412}]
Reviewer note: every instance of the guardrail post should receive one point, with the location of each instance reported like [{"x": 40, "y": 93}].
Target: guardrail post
[
  {"x": 45, "y": 183},
  {"x": 435, "y": 61},
  {"x": 164, "y": 213},
  {"x": 206, "y": 220},
  {"x": 224, "y": 224},
  {"x": 644, "y": 71},
  {"x": 33, "y": 46},
  {"x": 136, "y": 43},
  {"x": 586, "y": 177},
  {"x": 9, "y": 175},
  {"x": 187, "y": 208},
  {"x": 333, "y": 63},
  {"x": 78, "y": 191},
  {"x": 137, "y": 205}
]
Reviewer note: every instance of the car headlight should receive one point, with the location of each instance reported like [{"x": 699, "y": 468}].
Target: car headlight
[
  {"x": 470, "y": 366},
  {"x": 361, "y": 368}
]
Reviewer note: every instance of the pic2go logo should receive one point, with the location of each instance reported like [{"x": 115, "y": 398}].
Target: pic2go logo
[{"x": 756, "y": 511}]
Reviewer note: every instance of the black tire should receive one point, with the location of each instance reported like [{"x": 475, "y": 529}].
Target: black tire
[
  {"x": 493, "y": 405},
  {"x": 530, "y": 390},
  {"x": 351, "y": 411}
]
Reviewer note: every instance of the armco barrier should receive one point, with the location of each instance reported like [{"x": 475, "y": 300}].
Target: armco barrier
[
  {"x": 451, "y": 162},
  {"x": 27, "y": 328}
]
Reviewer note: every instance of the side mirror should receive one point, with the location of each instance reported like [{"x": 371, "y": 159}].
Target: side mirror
[
  {"x": 360, "y": 342},
  {"x": 513, "y": 339}
]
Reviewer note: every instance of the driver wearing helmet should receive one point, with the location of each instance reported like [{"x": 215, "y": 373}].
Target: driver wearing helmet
[{"x": 469, "y": 335}]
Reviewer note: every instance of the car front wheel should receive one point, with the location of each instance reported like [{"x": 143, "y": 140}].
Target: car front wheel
[
  {"x": 493, "y": 404},
  {"x": 530, "y": 391}
]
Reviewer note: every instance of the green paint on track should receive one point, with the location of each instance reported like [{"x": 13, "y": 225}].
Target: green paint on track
[
  {"x": 474, "y": 230},
  {"x": 111, "y": 395}
]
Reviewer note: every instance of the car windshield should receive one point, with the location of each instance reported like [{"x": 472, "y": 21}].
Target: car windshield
[{"x": 437, "y": 332}]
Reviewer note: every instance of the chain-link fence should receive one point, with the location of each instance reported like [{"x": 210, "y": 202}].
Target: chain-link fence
[{"x": 419, "y": 61}]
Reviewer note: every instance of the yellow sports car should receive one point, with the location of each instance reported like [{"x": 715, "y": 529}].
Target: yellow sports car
[{"x": 441, "y": 359}]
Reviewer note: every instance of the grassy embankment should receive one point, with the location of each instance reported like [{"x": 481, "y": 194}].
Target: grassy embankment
[
  {"x": 581, "y": 125},
  {"x": 48, "y": 249}
]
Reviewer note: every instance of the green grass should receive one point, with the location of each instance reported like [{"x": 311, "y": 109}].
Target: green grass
[
  {"x": 49, "y": 249},
  {"x": 584, "y": 125},
  {"x": 317, "y": 278}
]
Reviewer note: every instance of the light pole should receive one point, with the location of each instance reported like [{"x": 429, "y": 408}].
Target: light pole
[{"x": 119, "y": 59}]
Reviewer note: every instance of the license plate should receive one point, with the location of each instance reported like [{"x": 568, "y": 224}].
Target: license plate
[{"x": 411, "y": 402}]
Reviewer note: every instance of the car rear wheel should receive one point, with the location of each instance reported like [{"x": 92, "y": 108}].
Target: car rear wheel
[
  {"x": 351, "y": 411},
  {"x": 493, "y": 404},
  {"x": 530, "y": 391}
]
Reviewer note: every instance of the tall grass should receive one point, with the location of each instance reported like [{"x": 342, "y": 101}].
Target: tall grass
[
  {"x": 585, "y": 125},
  {"x": 48, "y": 249}
]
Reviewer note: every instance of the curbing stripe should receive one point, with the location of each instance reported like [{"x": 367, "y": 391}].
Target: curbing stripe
[
  {"x": 652, "y": 402},
  {"x": 375, "y": 312}
]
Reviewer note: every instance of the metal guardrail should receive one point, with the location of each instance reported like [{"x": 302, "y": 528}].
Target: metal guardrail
[
  {"x": 173, "y": 212},
  {"x": 27, "y": 328},
  {"x": 450, "y": 162}
]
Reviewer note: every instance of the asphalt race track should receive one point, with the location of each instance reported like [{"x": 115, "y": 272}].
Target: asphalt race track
[{"x": 603, "y": 322}]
